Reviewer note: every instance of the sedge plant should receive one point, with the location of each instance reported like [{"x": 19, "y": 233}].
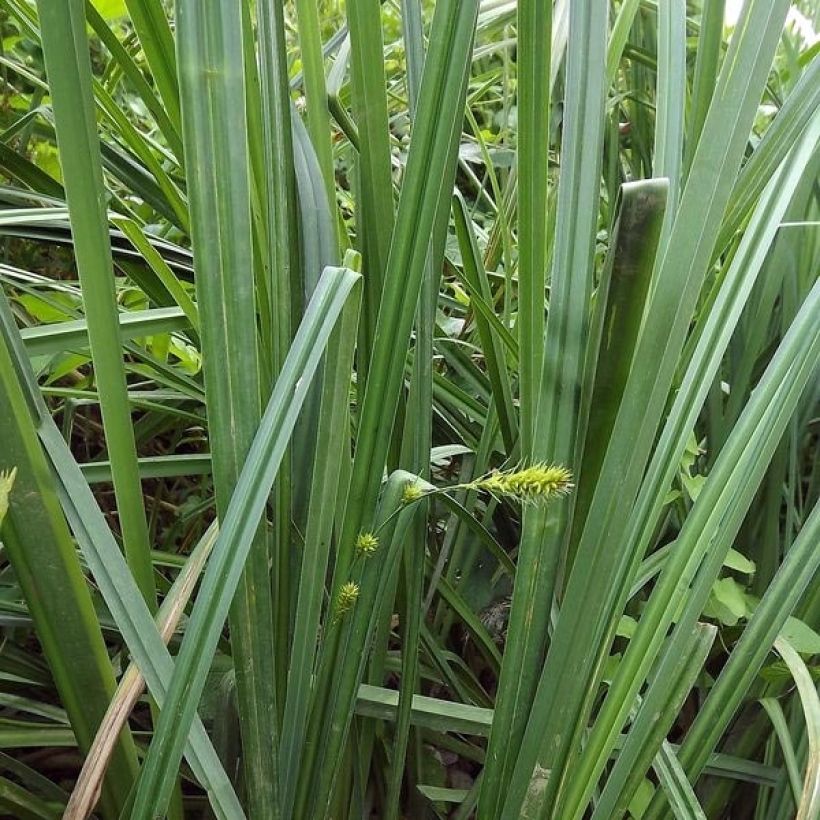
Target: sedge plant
[{"x": 419, "y": 399}]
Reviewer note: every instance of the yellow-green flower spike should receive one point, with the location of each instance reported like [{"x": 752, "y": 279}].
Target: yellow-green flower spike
[
  {"x": 366, "y": 544},
  {"x": 529, "y": 485},
  {"x": 6, "y": 483},
  {"x": 346, "y": 599},
  {"x": 412, "y": 492}
]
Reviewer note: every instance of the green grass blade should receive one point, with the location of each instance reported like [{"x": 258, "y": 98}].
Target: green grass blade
[
  {"x": 335, "y": 82},
  {"x": 282, "y": 258},
  {"x": 490, "y": 342},
  {"x": 331, "y": 452},
  {"x": 20, "y": 169},
  {"x": 415, "y": 454},
  {"x": 70, "y": 82},
  {"x": 21, "y": 804},
  {"x": 139, "y": 151},
  {"x": 431, "y": 713},
  {"x": 238, "y": 525},
  {"x": 616, "y": 324},
  {"x": 682, "y": 799},
  {"x": 374, "y": 218},
  {"x": 156, "y": 39},
  {"x": 210, "y": 45},
  {"x": 154, "y": 259},
  {"x": 41, "y": 340},
  {"x": 790, "y": 122},
  {"x": 533, "y": 55},
  {"x": 671, "y": 97},
  {"x": 259, "y": 180},
  {"x": 287, "y": 293},
  {"x": 774, "y": 710},
  {"x": 319, "y": 248},
  {"x": 707, "y": 62},
  {"x": 410, "y": 619},
  {"x": 318, "y": 114},
  {"x": 319, "y": 242},
  {"x": 620, "y": 34}
]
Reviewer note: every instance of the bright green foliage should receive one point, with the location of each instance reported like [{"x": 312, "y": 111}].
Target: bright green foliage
[{"x": 487, "y": 331}]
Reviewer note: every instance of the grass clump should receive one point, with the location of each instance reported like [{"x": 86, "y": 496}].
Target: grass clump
[{"x": 283, "y": 271}]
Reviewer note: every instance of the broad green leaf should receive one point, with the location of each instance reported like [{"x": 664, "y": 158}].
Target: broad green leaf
[
  {"x": 801, "y": 636},
  {"x": 727, "y": 602},
  {"x": 737, "y": 561}
]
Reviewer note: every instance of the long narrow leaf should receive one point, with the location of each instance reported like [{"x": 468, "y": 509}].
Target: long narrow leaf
[{"x": 70, "y": 82}]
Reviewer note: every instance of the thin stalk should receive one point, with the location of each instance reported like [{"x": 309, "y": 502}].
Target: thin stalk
[
  {"x": 286, "y": 289},
  {"x": 534, "y": 40}
]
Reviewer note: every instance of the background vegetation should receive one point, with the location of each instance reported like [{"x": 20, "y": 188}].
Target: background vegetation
[{"x": 307, "y": 309}]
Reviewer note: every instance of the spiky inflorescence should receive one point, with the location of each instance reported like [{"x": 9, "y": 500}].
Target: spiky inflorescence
[
  {"x": 6, "y": 483},
  {"x": 366, "y": 544},
  {"x": 412, "y": 492},
  {"x": 529, "y": 485},
  {"x": 346, "y": 599}
]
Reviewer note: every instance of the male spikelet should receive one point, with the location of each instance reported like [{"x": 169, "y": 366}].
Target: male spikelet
[{"x": 529, "y": 485}]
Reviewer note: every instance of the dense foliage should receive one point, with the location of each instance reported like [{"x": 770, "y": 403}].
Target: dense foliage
[{"x": 409, "y": 409}]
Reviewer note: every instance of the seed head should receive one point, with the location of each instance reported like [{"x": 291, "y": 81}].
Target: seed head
[
  {"x": 366, "y": 544},
  {"x": 412, "y": 492},
  {"x": 346, "y": 599}
]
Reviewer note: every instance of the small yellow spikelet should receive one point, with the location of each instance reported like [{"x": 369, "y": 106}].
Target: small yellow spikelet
[
  {"x": 346, "y": 599},
  {"x": 6, "y": 483},
  {"x": 529, "y": 485},
  {"x": 366, "y": 544},
  {"x": 412, "y": 492}
]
